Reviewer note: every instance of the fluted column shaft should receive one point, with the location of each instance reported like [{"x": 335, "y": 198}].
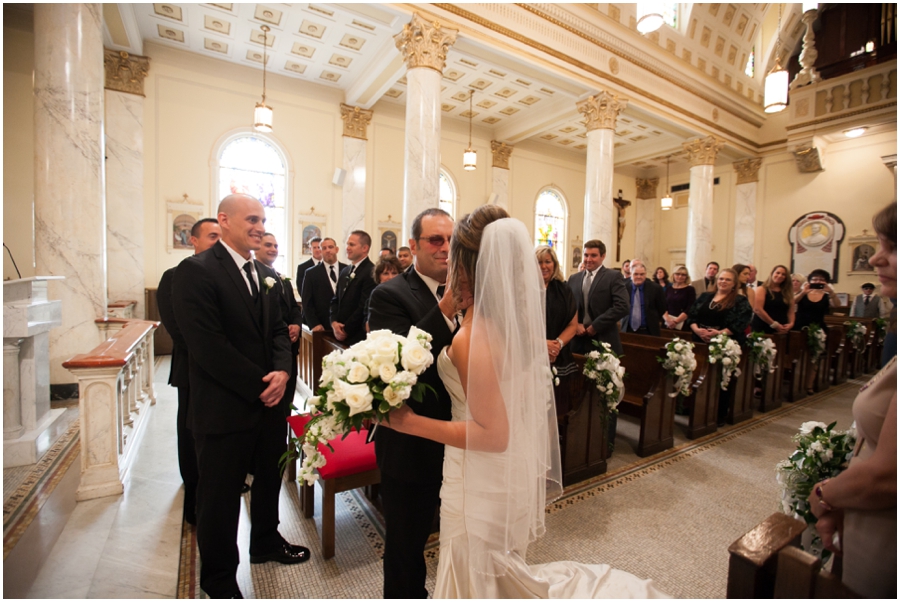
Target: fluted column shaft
[
  {"x": 500, "y": 154},
  {"x": 702, "y": 158}
]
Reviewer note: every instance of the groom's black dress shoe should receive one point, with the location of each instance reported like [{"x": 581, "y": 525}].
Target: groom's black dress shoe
[{"x": 285, "y": 554}]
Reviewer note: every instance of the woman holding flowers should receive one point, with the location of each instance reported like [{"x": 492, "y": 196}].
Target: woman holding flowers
[
  {"x": 501, "y": 460},
  {"x": 723, "y": 311},
  {"x": 861, "y": 503}
]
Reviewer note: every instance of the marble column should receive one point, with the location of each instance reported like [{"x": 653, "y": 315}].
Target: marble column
[
  {"x": 12, "y": 409},
  {"x": 702, "y": 159},
  {"x": 500, "y": 153},
  {"x": 600, "y": 112},
  {"x": 645, "y": 220},
  {"x": 745, "y": 210},
  {"x": 424, "y": 46},
  {"x": 356, "y": 122},
  {"x": 69, "y": 211},
  {"x": 124, "y": 128}
]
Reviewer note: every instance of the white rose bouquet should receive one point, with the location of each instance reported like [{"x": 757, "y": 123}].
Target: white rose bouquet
[
  {"x": 680, "y": 363},
  {"x": 880, "y": 329},
  {"x": 815, "y": 340},
  {"x": 822, "y": 453},
  {"x": 762, "y": 352},
  {"x": 603, "y": 368},
  {"x": 856, "y": 332},
  {"x": 725, "y": 351},
  {"x": 364, "y": 382}
]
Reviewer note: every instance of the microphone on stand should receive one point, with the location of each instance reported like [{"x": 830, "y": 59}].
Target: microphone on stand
[{"x": 13, "y": 260}]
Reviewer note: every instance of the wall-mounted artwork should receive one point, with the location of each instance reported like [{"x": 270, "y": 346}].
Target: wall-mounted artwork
[
  {"x": 576, "y": 253},
  {"x": 861, "y": 249},
  {"x": 181, "y": 230},
  {"x": 389, "y": 240},
  {"x": 180, "y": 218},
  {"x": 389, "y": 234},
  {"x": 816, "y": 243},
  {"x": 310, "y": 232},
  {"x": 311, "y": 224}
]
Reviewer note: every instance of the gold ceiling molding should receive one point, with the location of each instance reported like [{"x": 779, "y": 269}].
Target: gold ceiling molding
[
  {"x": 797, "y": 126},
  {"x": 703, "y": 151},
  {"x": 460, "y": 12},
  {"x": 646, "y": 187},
  {"x": 125, "y": 72},
  {"x": 356, "y": 121},
  {"x": 747, "y": 170},
  {"x": 425, "y": 44},
  {"x": 500, "y": 152},
  {"x": 601, "y": 110}
]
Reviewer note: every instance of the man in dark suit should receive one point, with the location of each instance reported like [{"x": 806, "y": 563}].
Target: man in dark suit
[
  {"x": 240, "y": 359},
  {"x": 354, "y": 287},
  {"x": 412, "y": 467},
  {"x": 320, "y": 286},
  {"x": 708, "y": 282},
  {"x": 647, "y": 301},
  {"x": 204, "y": 234},
  {"x": 315, "y": 245},
  {"x": 290, "y": 312},
  {"x": 602, "y": 300}
]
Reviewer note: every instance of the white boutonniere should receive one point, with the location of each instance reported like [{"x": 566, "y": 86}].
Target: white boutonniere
[
  {"x": 352, "y": 275},
  {"x": 286, "y": 279},
  {"x": 268, "y": 282}
]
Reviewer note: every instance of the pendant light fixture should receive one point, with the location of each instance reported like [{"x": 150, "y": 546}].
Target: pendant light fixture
[
  {"x": 470, "y": 157},
  {"x": 666, "y": 202},
  {"x": 776, "y": 91},
  {"x": 262, "y": 114},
  {"x": 649, "y": 16}
]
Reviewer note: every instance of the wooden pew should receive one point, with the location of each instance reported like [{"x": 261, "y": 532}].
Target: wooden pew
[
  {"x": 858, "y": 360},
  {"x": 836, "y": 348},
  {"x": 738, "y": 397},
  {"x": 794, "y": 367},
  {"x": 584, "y": 442},
  {"x": 770, "y": 384},
  {"x": 313, "y": 347},
  {"x": 647, "y": 388}
]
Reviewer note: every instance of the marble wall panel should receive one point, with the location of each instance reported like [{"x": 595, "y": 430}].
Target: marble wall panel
[
  {"x": 700, "y": 220},
  {"x": 423, "y": 138},
  {"x": 745, "y": 222},
  {"x": 645, "y": 230},
  {"x": 500, "y": 186},
  {"x": 354, "y": 193}
]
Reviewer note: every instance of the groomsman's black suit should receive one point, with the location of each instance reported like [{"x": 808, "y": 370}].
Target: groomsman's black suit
[
  {"x": 178, "y": 377},
  {"x": 411, "y": 467},
  {"x": 233, "y": 342},
  {"x": 607, "y": 303},
  {"x": 350, "y": 299},
  {"x": 291, "y": 313},
  {"x": 301, "y": 272},
  {"x": 654, "y": 307},
  {"x": 317, "y": 295}
]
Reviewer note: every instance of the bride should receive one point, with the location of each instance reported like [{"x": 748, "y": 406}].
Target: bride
[{"x": 501, "y": 463}]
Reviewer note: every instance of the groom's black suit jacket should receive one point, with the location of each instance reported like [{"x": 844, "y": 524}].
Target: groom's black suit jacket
[
  {"x": 317, "y": 295},
  {"x": 396, "y": 305},
  {"x": 348, "y": 303},
  {"x": 233, "y": 342}
]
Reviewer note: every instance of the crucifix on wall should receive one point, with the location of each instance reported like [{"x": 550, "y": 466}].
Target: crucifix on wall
[{"x": 621, "y": 205}]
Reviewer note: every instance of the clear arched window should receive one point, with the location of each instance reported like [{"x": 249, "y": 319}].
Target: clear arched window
[
  {"x": 447, "y": 192},
  {"x": 253, "y": 165},
  {"x": 550, "y": 221}
]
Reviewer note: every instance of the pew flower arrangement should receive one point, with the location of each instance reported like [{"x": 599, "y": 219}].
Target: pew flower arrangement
[
  {"x": 680, "y": 363},
  {"x": 880, "y": 329},
  {"x": 603, "y": 368},
  {"x": 815, "y": 340},
  {"x": 822, "y": 452},
  {"x": 361, "y": 383},
  {"x": 856, "y": 332},
  {"x": 725, "y": 351},
  {"x": 762, "y": 352}
]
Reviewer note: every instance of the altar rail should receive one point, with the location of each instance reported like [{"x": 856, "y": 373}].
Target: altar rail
[
  {"x": 115, "y": 385},
  {"x": 313, "y": 347}
]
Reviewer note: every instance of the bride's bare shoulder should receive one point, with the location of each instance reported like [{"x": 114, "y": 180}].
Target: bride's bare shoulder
[{"x": 458, "y": 352}]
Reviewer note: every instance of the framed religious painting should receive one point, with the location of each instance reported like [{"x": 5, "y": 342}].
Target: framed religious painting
[
  {"x": 180, "y": 218},
  {"x": 312, "y": 225},
  {"x": 862, "y": 248},
  {"x": 816, "y": 243},
  {"x": 576, "y": 253},
  {"x": 389, "y": 235}
]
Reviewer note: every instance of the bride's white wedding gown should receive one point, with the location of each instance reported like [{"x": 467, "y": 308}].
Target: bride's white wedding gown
[{"x": 456, "y": 578}]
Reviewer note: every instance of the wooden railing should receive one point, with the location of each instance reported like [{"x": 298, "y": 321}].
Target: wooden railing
[
  {"x": 313, "y": 347},
  {"x": 115, "y": 385}
]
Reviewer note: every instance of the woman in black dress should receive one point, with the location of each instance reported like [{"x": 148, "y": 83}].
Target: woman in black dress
[
  {"x": 813, "y": 301},
  {"x": 723, "y": 311},
  {"x": 743, "y": 277},
  {"x": 680, "y": 296},
  {"x": 562, "y": 320},
  {"x": 661, "y": 277},
  {"x": 774, "y": 307}
]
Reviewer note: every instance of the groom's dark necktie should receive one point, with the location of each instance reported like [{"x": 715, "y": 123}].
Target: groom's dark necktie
[
  {"x": 440, "y": 291},
  {"x": 254, "y": 290}
]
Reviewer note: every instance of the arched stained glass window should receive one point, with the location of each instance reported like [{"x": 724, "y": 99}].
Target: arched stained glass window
[
  {"x": 550, "y": 221},
  {"x": 253, "y": 165},
  {"x": 447, "y": 192}
]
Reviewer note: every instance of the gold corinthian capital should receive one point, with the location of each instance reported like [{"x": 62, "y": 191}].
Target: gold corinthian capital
[
  {"x": 703, "y": 151},
  {"x": 424, "y": 44},
  {"x": 601, "y": 110},
  {"x": 747, "y": 170},
  {"x": 356, "y": 120}
]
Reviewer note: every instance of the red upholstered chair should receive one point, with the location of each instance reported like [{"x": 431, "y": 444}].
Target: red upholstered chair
[{"x": 349, "y": 466}]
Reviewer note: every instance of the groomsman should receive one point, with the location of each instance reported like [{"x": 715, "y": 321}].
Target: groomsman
[
  {"x": 354, "y": 287},
  {"x": 412, "y": 467},
  {"x": 320, "y": 286},
  {"x": 405, "y": 256},
  {"x": 315, "y": 246},
  {"x": 290, "y": 312},
  {"x": 240, "y": 359},
  {"x": 204, "y": 235},
  {"x": 602, "y": 301}
]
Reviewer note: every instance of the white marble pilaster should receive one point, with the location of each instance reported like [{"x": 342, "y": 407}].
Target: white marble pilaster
[
  {"x": 700, "y": 219},
  {"x": 598, "y": 193},
  {"x": 645, "y": 230},
  {"x": 125, "y": 197},
  {"x": 12, "y": 410},
  {"x": 500, "y": 186},
  {"x": 422, "y": 164},
  {"x": 745, "y": 222},
  {"x": 70, "y": 216},
  {"x": 354, "y": 193}
]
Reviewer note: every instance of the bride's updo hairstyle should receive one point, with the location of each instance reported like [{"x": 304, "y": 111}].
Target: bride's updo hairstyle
[{"x": 466, "y": 242}]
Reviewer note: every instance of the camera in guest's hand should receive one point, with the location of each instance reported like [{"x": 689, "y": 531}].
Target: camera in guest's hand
[{"x": 817, "y": 285}]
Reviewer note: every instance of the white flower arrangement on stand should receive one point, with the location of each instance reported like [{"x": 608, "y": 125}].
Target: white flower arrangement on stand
[
  {"x": 725, "y": 351},
  {"x": 815, "y": 340},
  {"x": 856, "y": 332},
  {"x": 603, "y": 368},
  {"x": 763, "y": 353},
  {"x": 362, "y": 383},
  {"x": 680, "y": 364},
  {"x": 822, "y": 453}
]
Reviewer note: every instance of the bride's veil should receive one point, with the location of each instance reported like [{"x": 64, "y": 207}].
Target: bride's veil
[{"x": 507, "y": 484}]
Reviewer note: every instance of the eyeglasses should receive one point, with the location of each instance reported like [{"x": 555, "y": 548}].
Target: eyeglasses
[{"x": 435, "y": 241}]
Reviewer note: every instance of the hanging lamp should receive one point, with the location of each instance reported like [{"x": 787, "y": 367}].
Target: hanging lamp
[
  {"x": 470, "y": 157},
  {"x": 262, "y": 114},
  {"x": 666, "y": 202},
  {"x": 776, "y": 91}
]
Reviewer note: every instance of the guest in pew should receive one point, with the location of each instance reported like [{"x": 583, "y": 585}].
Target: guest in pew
[
  {"x": 648, "y": 303},
  {"x": 385, "y": 269},
  {"x": 721, "y": 312},
  {"x": 708, "y": 282},
  {"x": 861, "y": 502},
  {"x": 867, "y": 304},
  {"x": 797, "y": 281},
  {"x": 774, "y": 306},
  {"x": 661, "y": 277},
  {"x": 626, "y": 269},
  {"x": 602, "y": 300},
  {"x": 752, "y": 282},
  {"x": 385, "y": 253},
  {"x": 404, "y": 255},
  {"x": 812, "y": 303},
  {"x": 562, "y": 322},
  {"x": 743, "y": 272},
  {"x": 680, "y": 296}
]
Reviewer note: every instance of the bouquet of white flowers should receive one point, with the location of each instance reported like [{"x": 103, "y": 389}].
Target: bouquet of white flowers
[
  {"x": 726, "y": 351},
  {"x": 856, "y": 332},
  {"x": 364, "y": 382},
  {"x": 822, "y": 453},
  {"x": 815, "y": 340},
  {"x": 603, "y": 368},
  {"x": 880, "y": 329},
  {"x": 762, "y": 352},
  {"x": 680, "y": 363}
]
